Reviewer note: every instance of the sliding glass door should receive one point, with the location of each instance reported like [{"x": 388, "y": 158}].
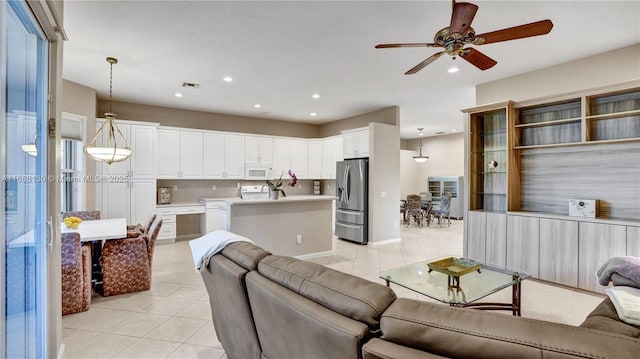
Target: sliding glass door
[{"x": 23, "y": 196}]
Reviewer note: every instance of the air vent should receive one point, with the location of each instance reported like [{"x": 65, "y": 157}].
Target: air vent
[
  {"x": 440, "y": 133},
  {"x": 192, "y": 85}
]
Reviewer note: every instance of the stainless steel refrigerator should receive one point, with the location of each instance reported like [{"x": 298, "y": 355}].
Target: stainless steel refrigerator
[{"x": 352, "y": 185}]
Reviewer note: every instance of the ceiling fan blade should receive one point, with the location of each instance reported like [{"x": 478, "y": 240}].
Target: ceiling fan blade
[
  {"x": 424, "y": 63},
  {"x": 517, "y": 32},
  {"x": 461, "y": 17},
  {"x": 478, "y": 59},
  {"x": 414, "y": 44}
]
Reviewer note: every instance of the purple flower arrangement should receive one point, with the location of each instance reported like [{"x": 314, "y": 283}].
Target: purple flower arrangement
[{"x": 278, "y": 184}]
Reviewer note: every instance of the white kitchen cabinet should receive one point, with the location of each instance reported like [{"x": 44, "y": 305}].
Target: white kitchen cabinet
[
  {"x": 258, "y": 150},
  {"x": 290, "y": 154},
  {"x": 314, "y": 159},
  {"x": 191, "y": 154},
  {"x": 331, "y": 153},
  {"x": 223, "y": 156},
  {"x": 128, "y": 188},
  {"x": 180, "y": 154},
  {"x": 210, "y": 220},
  {"x": 142, "y": 141},
  {"x": 134, "y": 200},
  {"x": 356, "y": 143}
]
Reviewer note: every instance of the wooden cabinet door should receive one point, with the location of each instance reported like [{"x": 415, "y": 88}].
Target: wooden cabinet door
[
  {"x": 598, "y": 243},
  {"x": 496, "y": 239},
  {"x": 523, "y": 244},
  {"x": 558, "y": 248},
  {"x": 476, "y": 236},
  {"x": 633, "y": 241}
]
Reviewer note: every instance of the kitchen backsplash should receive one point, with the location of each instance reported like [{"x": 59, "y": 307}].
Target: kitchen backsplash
[{"x": 193, "y": 190}]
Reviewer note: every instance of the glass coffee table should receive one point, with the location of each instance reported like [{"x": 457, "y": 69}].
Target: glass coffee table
[{"x": 459, "y": 282}]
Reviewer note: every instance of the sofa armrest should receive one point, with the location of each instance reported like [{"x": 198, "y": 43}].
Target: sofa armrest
[{"x": 380, "y": 349}]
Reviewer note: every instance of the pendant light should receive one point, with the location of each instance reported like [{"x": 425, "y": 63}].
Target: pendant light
[
  {"x": 31, "y": 148},
  {"x": 114, "y": 147},
  {"x": 420, "y": 158}
]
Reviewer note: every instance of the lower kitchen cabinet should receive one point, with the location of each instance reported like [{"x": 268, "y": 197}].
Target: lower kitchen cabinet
[
  {"x": 598, "y": 243},
  {"x": 523, "y": 244},
  {"x": 559, "y": 251}
]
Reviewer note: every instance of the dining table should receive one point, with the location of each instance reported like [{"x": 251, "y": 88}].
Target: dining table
[{"x": 99, "y": 229}]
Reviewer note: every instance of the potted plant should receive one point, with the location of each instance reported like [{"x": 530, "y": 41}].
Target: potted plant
[{"x": 275, "y": 188}]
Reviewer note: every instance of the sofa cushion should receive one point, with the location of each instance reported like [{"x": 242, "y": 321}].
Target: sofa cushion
[
  {"x": 245, "y": 254},
  {"x": 605, "y": 318},
  {"x": 380, "y": 349},
  {"x": 456, "y": 332},
  {"x": 348, "y": 295}
]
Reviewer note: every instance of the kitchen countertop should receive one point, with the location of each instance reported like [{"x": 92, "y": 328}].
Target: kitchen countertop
[
  {"x": 288, "y": 199},
  {"x": 179, "y": 204}
]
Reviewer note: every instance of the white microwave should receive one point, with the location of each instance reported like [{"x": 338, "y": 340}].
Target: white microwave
[{"x": 257, "y": 173}]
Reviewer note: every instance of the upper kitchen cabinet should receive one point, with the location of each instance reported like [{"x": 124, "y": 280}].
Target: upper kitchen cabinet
[
  {"x": 290, "y": 154},
  {"x": 314, "y": 159},
  {"x": 223, "y": 156},
  {"x": 258, "y": 150},
  {"x": 180, "y": 153},
  {"x": 356, "y": 143},
  {"x": 141, "y": 138},
  {"x": 332, "y": 152}
]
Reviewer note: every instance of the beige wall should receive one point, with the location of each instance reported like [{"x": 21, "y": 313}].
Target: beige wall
[
  {"x": 411, "y": 180},
  {"x": 388, "y": 115},
  {"x": 81, "y": 100},
  {"x": 384, "y": 182},
  {"x": 608, "y": 68},
  {"x": 207, "y": 120}
]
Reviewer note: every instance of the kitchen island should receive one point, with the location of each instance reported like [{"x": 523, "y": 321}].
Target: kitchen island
[{"x": 298, "y": 226}]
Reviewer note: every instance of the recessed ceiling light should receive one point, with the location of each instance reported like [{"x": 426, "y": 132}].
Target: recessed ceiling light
[
  {"x": 178, "y": 94},
  {"x": 227, "y": 79},
  {"x": 453, "y": 69},
  {"x": 313, "y": 114},
  {"x": 454, "y": 130},
  {"x": 315, "y": 95},
  {"x": 257, "y": 105}
]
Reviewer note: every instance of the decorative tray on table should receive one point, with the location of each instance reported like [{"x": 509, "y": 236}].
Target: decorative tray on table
[{"x": 454, "y": 267}]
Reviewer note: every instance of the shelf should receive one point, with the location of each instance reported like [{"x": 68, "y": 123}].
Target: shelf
[
  {"x": 548, "y": 123},
  {"x": 614, "y": 115},
  {"x": 494, "y": 131},
  {"x": 490, "y": 151},
  {"x": 488, "y": 194},
  {"x": 579, "y": 143},
  {"x": 488, "y": 173}
]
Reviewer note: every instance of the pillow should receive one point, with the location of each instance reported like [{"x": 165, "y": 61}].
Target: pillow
[{"x": 626, "y": 300}]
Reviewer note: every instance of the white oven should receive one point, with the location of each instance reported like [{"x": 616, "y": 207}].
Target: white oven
[{"x": 257, "y": 173}]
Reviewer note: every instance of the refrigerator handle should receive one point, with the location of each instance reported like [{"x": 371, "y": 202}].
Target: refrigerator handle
[{"x": 348, "y": 183}]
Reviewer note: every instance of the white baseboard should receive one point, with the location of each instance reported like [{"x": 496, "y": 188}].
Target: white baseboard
[
  {"x": 305, "y": 257},
  {"x": 61, "y": 351},
  {"x": 188, "y": 237},
  {"x": 382, "y": 243}
]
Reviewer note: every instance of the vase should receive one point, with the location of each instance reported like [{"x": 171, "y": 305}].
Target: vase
[{"x": 274, "y": 194}]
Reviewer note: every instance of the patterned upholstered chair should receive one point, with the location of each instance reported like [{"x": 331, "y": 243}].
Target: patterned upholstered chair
[
  {"x": 414, "y": 210},
  {"x": 134, "y": 230},
  {"x": 127, "y": 262},
  {"x": 83, "y": 215},
  {"x": 76, "y": 274}
]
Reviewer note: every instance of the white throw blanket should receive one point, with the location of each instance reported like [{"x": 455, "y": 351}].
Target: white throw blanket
[{"x": 205, "y": 247}]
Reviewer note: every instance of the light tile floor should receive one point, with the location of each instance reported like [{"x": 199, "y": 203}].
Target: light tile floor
[{"x": 173, "y": 319}]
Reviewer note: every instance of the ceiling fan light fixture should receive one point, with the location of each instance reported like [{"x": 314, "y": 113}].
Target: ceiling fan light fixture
[
  {"x": 114, "y": 146},
  {"x": 420, "y": 158}
]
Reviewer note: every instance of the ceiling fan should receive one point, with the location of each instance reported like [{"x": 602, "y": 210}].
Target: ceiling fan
[{"x": 460, "y": 33}]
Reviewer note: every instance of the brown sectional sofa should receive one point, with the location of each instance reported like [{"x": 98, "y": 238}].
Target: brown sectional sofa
[{"x": 275, "y": 307}]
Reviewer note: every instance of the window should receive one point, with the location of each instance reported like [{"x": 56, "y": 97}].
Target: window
[{"x": 72, "y": 177}]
